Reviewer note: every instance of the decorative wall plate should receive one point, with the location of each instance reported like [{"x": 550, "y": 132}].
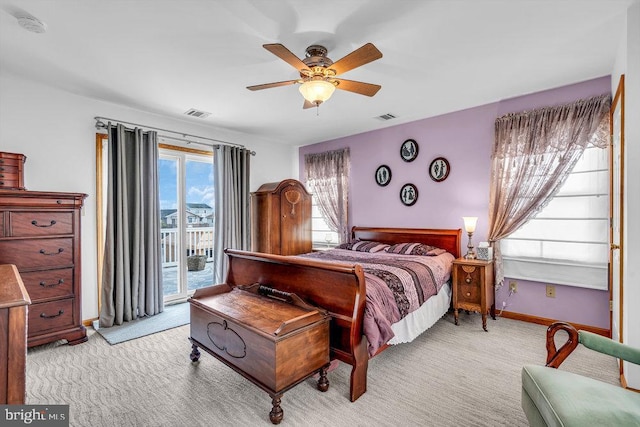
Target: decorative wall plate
[
  {"x": 409, "y": 194},
  {"x": 409, "y": 150},
  {"x": 439, "y": 169},
  {"x": 383, "y": 175}
]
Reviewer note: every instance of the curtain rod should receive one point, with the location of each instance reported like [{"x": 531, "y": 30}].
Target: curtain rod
[{"x": 101, "y": 125}]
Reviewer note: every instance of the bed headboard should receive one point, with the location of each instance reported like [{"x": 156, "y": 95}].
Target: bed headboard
[{"x": 447, "y": 239}]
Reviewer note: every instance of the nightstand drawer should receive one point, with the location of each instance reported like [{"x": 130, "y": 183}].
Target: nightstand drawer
[{"x": 468, "y": 293}]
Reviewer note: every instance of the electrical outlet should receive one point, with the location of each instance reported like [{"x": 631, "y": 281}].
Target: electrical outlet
[
  {"x": 513, "y": 286},
  {"x": 551, "y": 291}
]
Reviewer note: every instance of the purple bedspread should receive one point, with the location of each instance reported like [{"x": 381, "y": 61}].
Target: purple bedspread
[{"x": 396, "y": 285}]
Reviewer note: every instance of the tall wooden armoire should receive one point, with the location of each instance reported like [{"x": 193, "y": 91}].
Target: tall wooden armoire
[{"x": 281, "y": 218}]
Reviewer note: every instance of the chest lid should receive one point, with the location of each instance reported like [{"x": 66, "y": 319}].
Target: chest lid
[{"x": 263, "y": 309}]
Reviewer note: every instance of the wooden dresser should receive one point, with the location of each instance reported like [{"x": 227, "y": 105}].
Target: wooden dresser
[
  {"x": 40, "y": 235},
  {"x": 473, "y": 288},
  {"x": 272, "y": 338},
  {"x": 281, "y": 218},
  {"x": 13, "y": 336}
]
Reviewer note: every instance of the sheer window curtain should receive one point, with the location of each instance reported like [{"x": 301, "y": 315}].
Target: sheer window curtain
[
  {"x": 533, "y": 153},
  {"x": 132, "y": 271},
  {"x": 328, "y": 181},
  {"x": 232, "y": 215}
]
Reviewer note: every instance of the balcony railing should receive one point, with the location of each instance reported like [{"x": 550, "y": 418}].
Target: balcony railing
[{"x": 199, "y": 242}]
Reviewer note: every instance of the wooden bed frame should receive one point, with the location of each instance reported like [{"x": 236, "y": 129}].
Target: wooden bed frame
[{"x": 337, "y": 288}]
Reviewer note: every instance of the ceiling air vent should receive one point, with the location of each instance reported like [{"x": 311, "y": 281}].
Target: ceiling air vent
[
  {"x": 387, "y": 116},
  {"x": 197, "y": 113}
]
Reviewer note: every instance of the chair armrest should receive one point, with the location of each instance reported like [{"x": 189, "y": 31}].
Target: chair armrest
[
  {"x": 592, "y": 341},
  {"x": 607, "y": 346},
  {"x": 555, "y": 357}
]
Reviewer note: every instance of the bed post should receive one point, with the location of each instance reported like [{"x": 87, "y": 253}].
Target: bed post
[{"x": 358, "y": 383}]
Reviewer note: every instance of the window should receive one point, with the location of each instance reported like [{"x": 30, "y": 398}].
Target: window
[
  {"x": 567, "y": 242},
  {"x": 328, "y": 182},
  {"x": 321, "y": 235}
]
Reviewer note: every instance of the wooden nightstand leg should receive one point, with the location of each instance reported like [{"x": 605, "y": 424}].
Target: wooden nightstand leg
[
  {"x": 484, "y": 322},
  {"x": 455, "y": 316},
  {"x": 493, "y": 311}
]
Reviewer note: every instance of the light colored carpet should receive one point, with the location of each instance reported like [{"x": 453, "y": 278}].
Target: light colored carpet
[
  {"x": 172, "y": 317},
  {"x": 449, "y": 376}
]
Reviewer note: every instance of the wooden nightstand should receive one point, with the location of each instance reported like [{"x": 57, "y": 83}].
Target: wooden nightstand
[{"x": 473, "y": 288}]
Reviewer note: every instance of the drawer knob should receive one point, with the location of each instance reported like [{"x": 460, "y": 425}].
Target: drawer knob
[
  {"x": 1, "y": 182},
  {"x": 51, "y": 224},
  {"x": 43, "y": 252},
  {"x": 47, "y": 316},
  {"x": 468, "y": 279},
  {"x": 44, "y": 285},
  {"x": 468, "y": 294}
]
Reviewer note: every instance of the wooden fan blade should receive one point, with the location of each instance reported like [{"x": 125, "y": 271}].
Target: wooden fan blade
[
  {"x": 286, "y": 55},
  {"x": 367, "y": 89},
  {"x": 358, "y": 57},
  {"x": 270, "y": 85},
  {"x": 308, "y": 104}
]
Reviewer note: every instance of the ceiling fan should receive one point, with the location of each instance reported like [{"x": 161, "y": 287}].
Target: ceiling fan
[{"x": 318, "y": 73}]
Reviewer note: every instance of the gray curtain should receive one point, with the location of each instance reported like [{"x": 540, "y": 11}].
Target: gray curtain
[
  {"x": 533, "y": 154},
  {"x": 328, "y": 180},
  {"x": 232, "y": 216},
  {"x": 132, "y": 271}
]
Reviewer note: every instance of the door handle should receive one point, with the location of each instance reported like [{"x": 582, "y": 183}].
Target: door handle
[{"x": 614, "y": 246}]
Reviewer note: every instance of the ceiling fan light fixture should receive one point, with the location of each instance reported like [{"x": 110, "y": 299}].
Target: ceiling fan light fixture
[{"x": 317, "y": 91}]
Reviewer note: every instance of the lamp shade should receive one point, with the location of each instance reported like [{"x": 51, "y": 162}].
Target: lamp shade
[
  {"x": 470, "y": 223},
  {"x": 317, "y": 91}
]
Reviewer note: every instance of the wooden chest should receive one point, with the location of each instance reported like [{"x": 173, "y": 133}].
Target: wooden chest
[
  {"x": 271, "y": 338},
  {"x": 11, "y": 171},
  {"x": 40, "y": 235}
]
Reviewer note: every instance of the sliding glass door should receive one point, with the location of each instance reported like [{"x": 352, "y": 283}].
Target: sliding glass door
[{"x": 187, "y": 210}]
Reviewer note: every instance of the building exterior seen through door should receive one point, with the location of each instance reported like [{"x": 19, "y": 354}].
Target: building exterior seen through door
[{"x": 187, "y": 212}]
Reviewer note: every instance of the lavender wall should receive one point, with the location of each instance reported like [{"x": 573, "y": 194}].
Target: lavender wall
[{"x": 465, "y": 139}]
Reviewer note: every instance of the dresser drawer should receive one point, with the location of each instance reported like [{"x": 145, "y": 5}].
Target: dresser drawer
[
  {"x": 10, "y": 165},
  {"x": 24, "y": 224},
  {"x": 37, "y": 253},
  {"x": 10, "y": 182},
  {"x": 46, "y": 316},
  {"x": 48, "y": 284}
]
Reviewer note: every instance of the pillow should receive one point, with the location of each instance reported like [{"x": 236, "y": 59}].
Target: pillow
[
  {"x": 364, "y": 246},
  {"x": 415, "y": 249}
]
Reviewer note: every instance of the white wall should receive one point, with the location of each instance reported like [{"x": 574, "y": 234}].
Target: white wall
[
  {"x": 55, "y": 130},
  {"x": 631, "y": 329}
]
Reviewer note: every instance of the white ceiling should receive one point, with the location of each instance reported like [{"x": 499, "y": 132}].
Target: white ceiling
[{"x": 167, "y": 56}]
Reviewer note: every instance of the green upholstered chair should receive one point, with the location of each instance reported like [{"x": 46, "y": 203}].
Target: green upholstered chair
[{"x": 558, "y": 398}]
